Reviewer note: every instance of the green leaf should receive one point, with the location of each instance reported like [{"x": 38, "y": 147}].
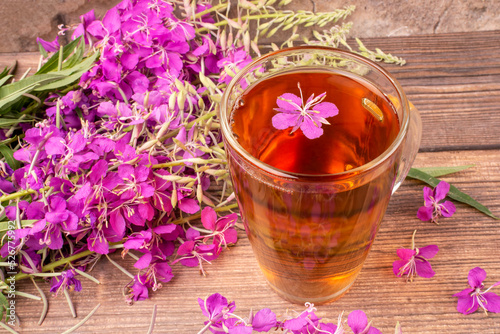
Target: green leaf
[
  {"x": 42, "y": 50},
  {"x": 7, "y": 122},
  {"x": 8, "y": 154},
  {"x": 4, "y": 303},
  {"x": 454, "y": 192},
  {"x": 4, "y": 226},
  {"x": 8, "y": 70},
  {"x": 51, "y": 64},
  {"x": 77, "y": 56},
  {"x": 5, "y": 78},
  {"x": 11, "y": 92},
  {"x": 441, "y": 171},
  {"x": 71, "y": 75}
]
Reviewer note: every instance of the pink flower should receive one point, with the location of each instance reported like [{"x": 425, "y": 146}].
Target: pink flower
[
  {"x": 308, "y": 117},
  {"x": 432, "y": 209},
  {"x": 469, "y": 300},
  {"x": 359, "y": 324},
  {"x": 414, "y": 261},
  {"x": 222, "y": 229}
]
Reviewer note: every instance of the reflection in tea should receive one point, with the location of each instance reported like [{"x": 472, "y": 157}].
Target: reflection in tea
[{"x": 311, "y": 232}]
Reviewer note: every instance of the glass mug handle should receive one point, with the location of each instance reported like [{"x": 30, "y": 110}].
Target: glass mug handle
[{"x": 411, "y": 145}]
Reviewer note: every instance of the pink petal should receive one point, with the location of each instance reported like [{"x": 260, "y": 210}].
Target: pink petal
[
  {"x": 189, "y": 205},
  {"x": 283, "y": 121},
  {"x": 289, "y": 101},
  {"x": 373, "y": 330},
  {"x": 428, "y": 193},
  {"x": 97, "y": 243},
  {"x": 231, "y": 236},
  {"x": 326, "y": 109},
  {"x": 117, "y": 222},
  {"x": 186, "y": 248},
  {"x": 464, "y": 293},
  {"x": 143, "y": 261},
  {"x": 129, "y": 60},
  {"x": 146, "y": 211},
  {"x": 112, "y": 20},
  {"x": 163, "y": 272},
  {"x": 208, "y": 218},
  {"x": 227, "y": 220},
  {"x": 476, "y": 277},
  {"x": 424, "y": 213},
  {"x": 428, "y": 251},
  {"x": 264, "y": 320},
  {"x": 181, "y": 136},
  {"x": 405, "y": 253},
  {"x": 492, "y": 302},
  {"x": 448, "y": 209},
  {"x": 357, "y": 320},
  {"x": 192, "y": 234},
  {"x": 38, "y": 226},
  {"x": 55, "y": 145},
  {"x": 310, "y": 130},
  {"x": 467, "y": 305},
  {"x": 424, "y": 268},
  {"x": 396, "y": 267},
  {"x": 163, "y": 229},
  {"x": 190, "y": 262},
  {"x": 441, "y": 191},
  {"x": 295, "y": 324}
]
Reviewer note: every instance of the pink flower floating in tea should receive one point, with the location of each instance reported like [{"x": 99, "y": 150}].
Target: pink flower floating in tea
[
  {"x": 308, "y": 116},
  {"x": 414, "y": 261},
  {"x": 432, "y": 209},
  {"x": 469, "y": 300}
]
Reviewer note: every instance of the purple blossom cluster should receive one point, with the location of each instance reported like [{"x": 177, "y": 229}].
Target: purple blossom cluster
[
  {"x": 222, "y": 319},
  {"x": 122, "y": 160}
]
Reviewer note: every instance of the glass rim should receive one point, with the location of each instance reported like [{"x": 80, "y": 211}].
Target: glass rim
[{"x": 234, "y": 144}]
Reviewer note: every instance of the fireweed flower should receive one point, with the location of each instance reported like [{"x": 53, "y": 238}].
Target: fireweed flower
[
  {"x": 414, "y": 261},
  {"x": 67, "y": 280},
  {"x": 215, "y": 308},
  {"x": 97, "y": 146},
  {"x": 308, "y": 116},
  {"x": 432, "y": 209},
  {"x": 469, "y": 300},
  {"x": 222, "y": 229}
]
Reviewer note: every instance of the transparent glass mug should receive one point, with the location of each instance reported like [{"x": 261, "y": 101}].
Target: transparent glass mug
[{"x": 312, "y": 233}]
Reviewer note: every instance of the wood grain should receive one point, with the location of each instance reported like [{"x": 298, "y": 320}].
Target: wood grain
[{"x": 454, "y": 80}]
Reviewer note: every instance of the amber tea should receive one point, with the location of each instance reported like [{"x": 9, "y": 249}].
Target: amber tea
[
  {"x": 311, "y": 239},
  {"x": 317, "y": 139}
]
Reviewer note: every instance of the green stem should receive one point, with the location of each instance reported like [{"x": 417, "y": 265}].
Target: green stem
[
  {"x": 60, "y": 59},
  {"x": 21, "y": 193},
  {"x": 413, "y": 239},
  {"x": 56, "y": 264},
  {"x": 84, "y": 320}
]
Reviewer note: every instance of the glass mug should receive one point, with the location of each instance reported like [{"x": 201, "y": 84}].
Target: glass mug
[{"x": 311, "y": 232}]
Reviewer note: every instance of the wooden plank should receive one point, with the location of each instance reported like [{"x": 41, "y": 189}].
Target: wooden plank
[
  {"x": 447, "y": 76},
  {"x": 25, "y": 61},
  {"x": 466, "y": 240}
]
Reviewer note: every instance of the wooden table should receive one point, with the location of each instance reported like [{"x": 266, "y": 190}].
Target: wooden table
[{"x": 454, "y": 80}]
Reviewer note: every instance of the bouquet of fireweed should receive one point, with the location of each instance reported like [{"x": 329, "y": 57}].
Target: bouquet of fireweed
[{"x": 114, "y": 144}]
